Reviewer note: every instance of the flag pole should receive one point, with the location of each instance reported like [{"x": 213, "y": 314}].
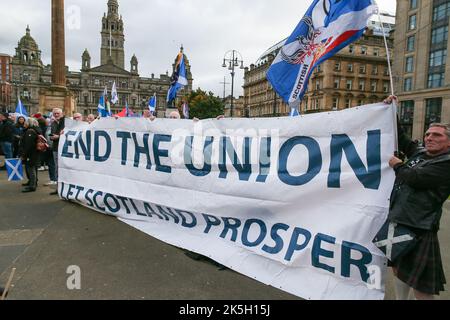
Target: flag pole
[{"x": 394, "y": 102}]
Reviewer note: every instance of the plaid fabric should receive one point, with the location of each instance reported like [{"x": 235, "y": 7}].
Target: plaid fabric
[{"x": 421, "y": 268}]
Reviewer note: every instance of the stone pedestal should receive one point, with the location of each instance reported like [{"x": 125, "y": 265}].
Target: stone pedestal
[{"x": 57, "y": 97}]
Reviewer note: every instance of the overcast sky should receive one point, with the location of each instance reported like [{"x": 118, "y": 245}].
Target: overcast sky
[{"x": 155, "y": 29}]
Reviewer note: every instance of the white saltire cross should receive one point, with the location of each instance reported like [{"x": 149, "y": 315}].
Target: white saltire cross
[
  {"x": 391, "y": 240},
  {"x": 14, "y": 169}
]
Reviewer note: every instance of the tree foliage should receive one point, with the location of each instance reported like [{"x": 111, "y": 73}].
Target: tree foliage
[{"x": 204, "y": 105}]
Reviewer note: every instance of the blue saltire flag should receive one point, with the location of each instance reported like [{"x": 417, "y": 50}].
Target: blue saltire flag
[
  {"x": 104, "y": 109},
  {"x": 20, "y": 109},
  {"x": 178, "y": 79},
  {"x": 152, "y": 104},
  {"x": 14, "y": 169},
  {"x": 327, "y": 27}
]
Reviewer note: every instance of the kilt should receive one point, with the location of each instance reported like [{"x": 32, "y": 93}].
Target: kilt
[{"x": 421, "y": 268}]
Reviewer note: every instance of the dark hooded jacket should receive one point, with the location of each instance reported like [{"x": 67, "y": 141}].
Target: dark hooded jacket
[
  {"x": 28, "y": 149},
  {"x": 421, "y": 188}
]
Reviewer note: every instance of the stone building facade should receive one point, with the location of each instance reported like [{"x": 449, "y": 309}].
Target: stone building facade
[
  {"x": 422, "y": 65},
  {"x": 31, "y": 78},
  {"x": 357, "y": 75},
  {"x": 5, "y": 81}
]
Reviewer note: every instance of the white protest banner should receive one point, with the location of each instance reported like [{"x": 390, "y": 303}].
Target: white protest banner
[{"x": 291, "y": 202}]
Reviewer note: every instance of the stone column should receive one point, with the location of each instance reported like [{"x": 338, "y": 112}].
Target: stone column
[
  {"x": 419, "y": 119},
  {"x": 58, "y": 44},
  {"x": 58, "y": 95}
]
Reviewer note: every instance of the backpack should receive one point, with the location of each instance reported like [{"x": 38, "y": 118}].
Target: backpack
[{"x": 41, "y": 143}]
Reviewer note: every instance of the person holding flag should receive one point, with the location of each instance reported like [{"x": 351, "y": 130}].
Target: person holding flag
[
  {"x": 21, "y": 110},
  {"x": 327, "y": 27},
  {"x": 104, "y": 110},
  {"x": 178, "y": 79},
  {"x": 185, "y": 110},
  {"x": 152, "y": 104}
]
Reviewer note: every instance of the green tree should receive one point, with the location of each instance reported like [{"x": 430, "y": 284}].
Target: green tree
[{"x": 204, "y": 105}]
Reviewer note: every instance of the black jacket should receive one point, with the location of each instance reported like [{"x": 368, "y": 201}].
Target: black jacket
[
  {"x": 28, "y": 149},
  {"x": 56, "y": 128},
  {"x": 421, "y": 188},
  {"x": 6, "y": 131}
]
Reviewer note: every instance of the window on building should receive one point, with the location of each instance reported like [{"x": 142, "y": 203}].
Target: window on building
[
  {"x": 349, "y": 84},
  {"x": 362, "y": 85},
  {"x": 337, "y": 66},
  {"x": 438, "y": 58},
  {"x": 376, "y": 52},
  {"x": 433, "y": 111},
  {"x": 385, "y": 87},
  {"x": 351, "y": 48},
  {"x": 439, "y": 35},
  {"x": 360, "y": 102},
  {"x": 435, "y": 80},
  {"x": 441, "y": 11},
  {"x": 337, "y": 83},
  {"x": 406, "y": 115},
  {"x": 362, "y": 69},
  {"x": 319, "y": 68},
  {"x": 412, "y": 4},
  {"x": 348, "y": 103},
  {"x": 373, "y": 85},
  {"x": 411, "y": 43},
  {"x": 364, "y": 50},
  {"x": 317, "y": 84},
  {"x": 335, "y": 104},
  {"x": 350, "y": 67},
  {"x": 386, "y": 71},
  {"x": 409, "y": 64},
  {"x": 374, "y": 70},
  {"x": 96, "y": 82},
  {"x": 412, "y": 23},
  {"x": 407, "y": 84},
  {"x": 316, "y": 104}
]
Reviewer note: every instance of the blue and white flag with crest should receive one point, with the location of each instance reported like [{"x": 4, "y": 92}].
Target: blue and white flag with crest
[{"x": 327, "y": 27}]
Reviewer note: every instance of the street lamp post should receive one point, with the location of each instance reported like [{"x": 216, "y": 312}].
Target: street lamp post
[{"x": 233, "y": 58}]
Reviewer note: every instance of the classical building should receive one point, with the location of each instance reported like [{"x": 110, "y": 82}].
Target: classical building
[
  {"x": 260, "y": 100},
  {"x": 5, "y": 81},
  {"x": 357, "y": 75},
  {"x": 31, "y": 77},
  {"x": 422, "y": 66},
  {"x": 238, "y": 107}
]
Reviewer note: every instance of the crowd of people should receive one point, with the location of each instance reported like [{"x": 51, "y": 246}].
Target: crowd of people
[{"x": 19, "y": 137}]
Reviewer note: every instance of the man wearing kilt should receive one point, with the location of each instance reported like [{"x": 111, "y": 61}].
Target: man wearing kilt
[{"x": 421, "y": 188}]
